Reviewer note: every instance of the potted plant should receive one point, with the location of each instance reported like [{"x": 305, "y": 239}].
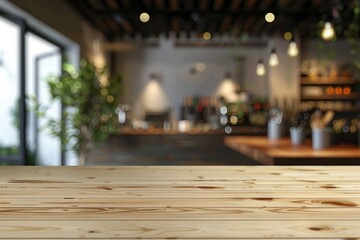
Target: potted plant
[{"x": 89, "y": 100}]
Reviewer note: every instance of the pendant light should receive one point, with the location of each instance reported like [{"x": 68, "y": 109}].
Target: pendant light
[
  {"x": 260, "y": 68},
  {"x": 328, "y": 32},
  {"x": 274, "y": 59},
  {"x": 293, "y": 50}
]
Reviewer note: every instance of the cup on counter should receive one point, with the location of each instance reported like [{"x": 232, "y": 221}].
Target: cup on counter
[
  {"x": 320, "y": 138},
  {"x": 185, "y": 125},
  {"x": 275, "y": 129},
  {"x": 297, "y": 136}
]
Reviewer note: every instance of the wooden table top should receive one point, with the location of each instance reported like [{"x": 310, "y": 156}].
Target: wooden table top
[
  {"x": 180, "y": 202},
  {"x": 244, "y": 130},
  {"x": 266, "y": 151}
]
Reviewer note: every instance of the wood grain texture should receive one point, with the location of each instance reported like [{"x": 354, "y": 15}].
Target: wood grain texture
[{"x": 185, "y": 202}]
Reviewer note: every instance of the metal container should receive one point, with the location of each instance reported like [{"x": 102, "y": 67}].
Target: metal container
[{"x": 320, "y": 138}]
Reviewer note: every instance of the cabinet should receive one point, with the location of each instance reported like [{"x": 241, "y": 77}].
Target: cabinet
[{"x": 341, "y": 94}]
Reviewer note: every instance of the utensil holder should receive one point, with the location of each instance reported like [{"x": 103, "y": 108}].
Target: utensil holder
[
  {"x": 275, "y": 130},
  {"x": 320, "y": 138},
  {"x": 297, "y": 136}
]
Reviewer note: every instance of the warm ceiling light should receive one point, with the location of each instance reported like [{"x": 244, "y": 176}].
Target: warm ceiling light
[
  {"x": 144, "y": 17},
  {"x": 293, "y": 50},
  {"x": 273, "y": 60},
  {"x": 260, "y": 68},
  {"x": 200, "y": 67},
  {"x": 207, "y": 35},
  {"x": 328, "y": 32},
  {"x": 288, "y": 36},
  {"x": 269, "y": 17}
]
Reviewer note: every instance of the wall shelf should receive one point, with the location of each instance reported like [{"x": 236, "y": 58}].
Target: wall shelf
[
  {"x": 314, "y": 93},
  {"x": 324, "y": 97},
  {"x": 321, "y": 82}
]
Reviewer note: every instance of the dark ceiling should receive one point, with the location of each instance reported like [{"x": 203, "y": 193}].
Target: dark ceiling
[{"x": 120, "y": 18}]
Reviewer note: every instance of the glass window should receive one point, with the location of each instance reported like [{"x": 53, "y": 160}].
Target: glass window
[
  {"x": 9, "y": 92},
  {"x": 43, "y": 59}
]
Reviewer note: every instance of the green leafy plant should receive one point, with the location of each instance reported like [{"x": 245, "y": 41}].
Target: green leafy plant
[
  {"x": 352, "y": 33},
  {"x": 89, "y": 99}
]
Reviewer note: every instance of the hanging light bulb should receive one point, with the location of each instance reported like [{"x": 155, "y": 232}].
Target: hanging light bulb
[
  {"x": 328, "y": 32},
  {"x": 260, "y": 68},
  {"x": 273, "y": 60},
  {"x": 144, "y": 17},
  {"x": 293, "y": 50}
]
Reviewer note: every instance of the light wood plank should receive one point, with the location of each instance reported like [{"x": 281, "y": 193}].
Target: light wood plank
[
  {"x": 118, "y": 175},
  {"x": 190, "y": 238},
  {"x": 191, "y": 186},
  {"x": 184, "y": 193},
  {"x": 180, "y": 229},
  {"x": 295, "y": 170},
  {"x": 181, "y": 202},
  {"x": 172, "y": 214}
]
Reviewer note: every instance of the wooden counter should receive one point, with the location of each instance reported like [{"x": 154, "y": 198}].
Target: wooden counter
[
  {"x": 238, "y": 130},
  {"x": 282, "y": 152},
  {"x": 180, "y": 202}
]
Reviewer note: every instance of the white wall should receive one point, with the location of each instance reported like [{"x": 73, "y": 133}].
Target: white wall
[
  {"x": 176, "y": 81},
  {"x": 173, "y": 65},
  {"x": 284, "y": 87}
]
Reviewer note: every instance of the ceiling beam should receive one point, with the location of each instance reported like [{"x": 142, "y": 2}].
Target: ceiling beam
[
  {"x": 189, "y": 5},
  {"x": 211, "y": 12},
  {"x": 113, "y": 25},
  {"x": 84, "y": 8},
  {"x": 204, "y": 5},
  {"x": 148, "y": 4},
  {"x": 278, "y": 26},
  {"x": 248, "y": 23},
  {"x": 212, "y": 27},
  {"x": 229, "y": 21},
  {"x": 127, "y": 4},
  {"x": 127, "y": 26},
  {"x": 174, "y": 5},
  {"x": 176, "y": 25},
  {"x": 250, "y": 4},
  {"x": 283, "y": 4},
  {"x": 96, "y": 5},
  {"x": 159, "y": 4},
  {"x": 113, "y": 4},
  {"x": 218, "y": 5},
  {"x": 225, "y": 25},
  {"x": 217, "y": 16},
  {"x": 268, "y": 4},
  {"x": 259, "y": 28},
  {"x": 317, "y": 3},
  {"x": 189, "y": 27},
  {"x": 235, "y": 4},
  {"x": 236, "y": 26}
]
